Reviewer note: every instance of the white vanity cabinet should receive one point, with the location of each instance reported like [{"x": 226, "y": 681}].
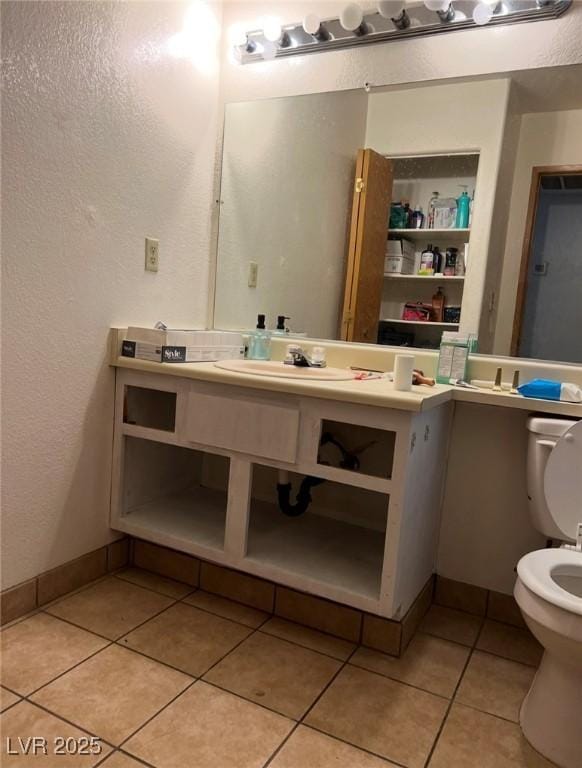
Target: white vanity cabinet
[{"x": 196, "y": 466}]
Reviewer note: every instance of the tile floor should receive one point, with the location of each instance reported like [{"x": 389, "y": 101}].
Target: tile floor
[{"x": 171, "y": 677}]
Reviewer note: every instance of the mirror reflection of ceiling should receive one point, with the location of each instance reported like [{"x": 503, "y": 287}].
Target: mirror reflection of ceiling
[{"x": 287, "y": 186}]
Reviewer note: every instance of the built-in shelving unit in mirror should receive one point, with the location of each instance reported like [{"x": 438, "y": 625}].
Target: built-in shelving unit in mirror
[{"x": 416, "y": 180}]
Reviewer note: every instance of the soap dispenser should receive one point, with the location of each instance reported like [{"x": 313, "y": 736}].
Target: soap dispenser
[
  {"x": 281, "y": 330},
  {"x": 260, "y": 341}
]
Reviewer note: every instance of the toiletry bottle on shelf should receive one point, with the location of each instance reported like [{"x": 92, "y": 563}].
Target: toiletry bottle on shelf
[
  {"x": 438, "y": 261},
  {"x": 463, "y": 208},
  {"x": 427, "y": 261},
  {"x": 431, "y": 206},
  {"x": 406, "y": 215},
  {"x": 260, "y": 341},
  {"x": 417, "y": 218},
  {"x": 451, "y": 261},
  {"x": 438, "y": 306},
  {"x": 460, "y": 265}
]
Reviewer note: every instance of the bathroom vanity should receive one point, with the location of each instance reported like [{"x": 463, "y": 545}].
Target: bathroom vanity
[{"x": 198, "y": 454}]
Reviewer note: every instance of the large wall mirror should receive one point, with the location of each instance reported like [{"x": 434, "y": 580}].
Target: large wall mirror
[{"x": 391, "y": 215}]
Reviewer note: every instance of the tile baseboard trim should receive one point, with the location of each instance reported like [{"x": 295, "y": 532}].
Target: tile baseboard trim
[
  {"x": 332, "y": 618},
  {"x": 486, "y": 603},
  {"x": 23, "y": 598}
]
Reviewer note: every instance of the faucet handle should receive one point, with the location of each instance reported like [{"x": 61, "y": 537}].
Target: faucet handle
[
  {"x": 318, "y": 356},
  {"x": 292, "y": 351}
]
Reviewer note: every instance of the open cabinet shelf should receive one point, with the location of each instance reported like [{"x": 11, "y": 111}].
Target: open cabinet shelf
[
  {"x": 415, "y": 180},
  {"x": 175, "y": 495},
  {"x": 445, "y": 278},
  {"x": 196, "y": 515},
  {"x": 322, "y": 549},
  {"x": 426, "y": 235},
  {"x": 428, "y": 323},
  {"x": 337, "y": 544}
]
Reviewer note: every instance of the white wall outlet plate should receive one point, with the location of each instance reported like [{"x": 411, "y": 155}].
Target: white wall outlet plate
[
  {"x": 152, "y": 254},
  {"x": 253, "y": 274}
]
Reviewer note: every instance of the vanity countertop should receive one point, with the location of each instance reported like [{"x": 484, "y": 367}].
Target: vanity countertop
[{"x": 374, "y": 392}]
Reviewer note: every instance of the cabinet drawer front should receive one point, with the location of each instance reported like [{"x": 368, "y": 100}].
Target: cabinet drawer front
[{"x": 245, "y": 426}]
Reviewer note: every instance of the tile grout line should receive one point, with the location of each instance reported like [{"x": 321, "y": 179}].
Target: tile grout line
[
  {"x": 69, "y": 722},
  {"x": 490, "y": 714},
  {"x": 117, "y": 751},
  {"x": 110, "y": 642},
  {"x": 506, "y": 658},
  {"x": 402, "y": 682},
  {"x": 453, "y": 697},
  {"x": 306, "y": 647},
  {"x": 389, "y": 760},
  {"x": 195, "y": 680},
  {"x": 307, "y": 711},
  {"x": 156, "y": 713},
  {"x": 193, "y": 590},
  {"x": 301, "y": 722}
]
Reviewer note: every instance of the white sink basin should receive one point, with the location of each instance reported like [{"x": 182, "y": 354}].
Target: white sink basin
[{"x": 280, "y": 370}]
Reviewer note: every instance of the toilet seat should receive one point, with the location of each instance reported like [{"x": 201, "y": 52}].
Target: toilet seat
[{"x": 535, "y": 571}]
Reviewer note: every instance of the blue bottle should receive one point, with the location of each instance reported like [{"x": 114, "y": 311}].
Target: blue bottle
[{"x": 463, "y": 208}]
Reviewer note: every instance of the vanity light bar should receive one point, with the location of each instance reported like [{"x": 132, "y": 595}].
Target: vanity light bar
[{"x": 407, "y": 22}]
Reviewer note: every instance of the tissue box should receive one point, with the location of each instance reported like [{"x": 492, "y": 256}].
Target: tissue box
[
  {"x": 400, "y": 247},
  {"x": 398, "y": 265},
  {"x": 399, "y": 257},
  {"x": 181, "y": 346}
]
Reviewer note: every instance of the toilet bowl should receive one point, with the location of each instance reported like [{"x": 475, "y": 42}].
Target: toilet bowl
[{"x": 548, "y": 591}]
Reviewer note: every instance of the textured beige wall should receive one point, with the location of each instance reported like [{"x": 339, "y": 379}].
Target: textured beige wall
[{"x": 105, "y": 139}]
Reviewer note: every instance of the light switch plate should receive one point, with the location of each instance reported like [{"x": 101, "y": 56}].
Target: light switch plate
[
  {"x": 253, "y": 274},
  {"x": 152, "y": 254}
]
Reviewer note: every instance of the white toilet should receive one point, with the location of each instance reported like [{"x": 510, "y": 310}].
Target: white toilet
[{"x": 549, "y": 590}]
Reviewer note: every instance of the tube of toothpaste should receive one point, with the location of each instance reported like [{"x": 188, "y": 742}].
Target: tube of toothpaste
[{"x": 546, "y": 389}]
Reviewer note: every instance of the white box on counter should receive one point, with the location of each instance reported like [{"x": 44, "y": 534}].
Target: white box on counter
[{"x": 181, "y": 346}]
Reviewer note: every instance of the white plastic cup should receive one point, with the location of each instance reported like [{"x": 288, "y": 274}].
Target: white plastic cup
[{"x": 403, "y": 368}]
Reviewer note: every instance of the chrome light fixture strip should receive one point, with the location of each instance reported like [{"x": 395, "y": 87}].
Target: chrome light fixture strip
[{"x": 295, "y": 40}]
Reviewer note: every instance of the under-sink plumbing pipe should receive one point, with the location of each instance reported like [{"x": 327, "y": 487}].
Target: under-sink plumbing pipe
[{"x": 303, "y": 499}]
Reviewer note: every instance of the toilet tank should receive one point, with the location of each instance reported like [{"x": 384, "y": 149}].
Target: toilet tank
[{"x": 544, "y": 432}]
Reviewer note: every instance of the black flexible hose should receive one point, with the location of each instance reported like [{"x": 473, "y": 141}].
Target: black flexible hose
[{"x": 303, "y": 497}]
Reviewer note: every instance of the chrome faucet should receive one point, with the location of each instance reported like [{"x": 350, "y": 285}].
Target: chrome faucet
[{"x": 296, "y": 356}]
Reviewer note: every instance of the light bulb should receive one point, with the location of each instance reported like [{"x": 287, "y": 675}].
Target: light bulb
[
  {"x": 272, "y": 29},
  {"x": 386, "y": 8},
  {"x": 311, "y": 23},
  {"x": 437, "y": 5},
  {"x": 482, "y": 14},
  {"x": 351, "y": 17},
  {"x": 269, "y": 50}
]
